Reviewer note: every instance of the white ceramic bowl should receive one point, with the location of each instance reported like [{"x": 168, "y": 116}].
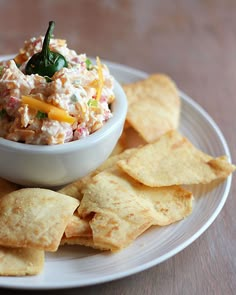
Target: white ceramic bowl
[{"x": 57, "y": 165}]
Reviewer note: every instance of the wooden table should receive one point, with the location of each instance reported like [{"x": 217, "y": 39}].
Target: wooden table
[{"x": 195, "y": 43}]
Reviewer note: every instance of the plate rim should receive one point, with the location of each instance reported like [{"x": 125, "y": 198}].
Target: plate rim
[{"x": 176, "y": 250}]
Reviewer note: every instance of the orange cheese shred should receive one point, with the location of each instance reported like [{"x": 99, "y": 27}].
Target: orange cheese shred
[
  {"x": 53, "y": 112},
  {"x": 101, "y": 79},
  {"x": 20, "y": 58}
]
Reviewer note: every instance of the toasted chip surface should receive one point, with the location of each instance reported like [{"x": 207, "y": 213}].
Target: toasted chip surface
[
  {"x": 173, "y": 160},
  {"x": 82, "y": 241},
  {"x": 34, "y": 218},
  {"x": 112, "y": 232},
  {"x": 77, "y": 227},
  {"x": 74, "y": 189},
  {"x": 20, "y": 261},
  {"x": 170, "y": 204},
  {"x": 154, "y": 106},
  {"x": 167, "y": 204},
  {"x": 119, "y": 216},
  {"x": 124, "y": 208}
]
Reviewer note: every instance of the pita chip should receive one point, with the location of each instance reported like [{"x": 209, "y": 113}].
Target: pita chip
[
  {"x": 82, "y": 241},
  {"x": 20, "y": 261},
  {"x": 167, "y": 204},
  {"x": 173, "y": 160},
  {"x": 78, "y": 227},
  {"x": 154, "y": 106},
  {"x": 75, "y": 188},
  {"x": 34, "y": 218},
  {"x": 118, "y": 215},
  {"x": 103, "y": 221},
  {"x": 78, "y": 232}
]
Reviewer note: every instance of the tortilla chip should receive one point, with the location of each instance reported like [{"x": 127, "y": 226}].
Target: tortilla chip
[
  {"x": 34, "y": 218},
  {"x": 7, "y": 187},
  {"x": 154, "y": 106},
  {"x": 20, "y": 261},
  {"x": 119, "y": 216},
  {"x": 173, "y": 160}
]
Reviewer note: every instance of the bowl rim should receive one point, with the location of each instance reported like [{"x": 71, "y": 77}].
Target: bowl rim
[{"x": 119, "y": 111}]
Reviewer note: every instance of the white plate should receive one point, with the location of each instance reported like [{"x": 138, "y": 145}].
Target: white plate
[{"x": 75, "y": 266}]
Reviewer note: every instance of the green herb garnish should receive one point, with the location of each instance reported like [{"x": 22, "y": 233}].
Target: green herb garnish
[
  {"x": 93, "y": 103},
  {"x": 41, "y": 115},
  {"x": 89, "y": 65}
]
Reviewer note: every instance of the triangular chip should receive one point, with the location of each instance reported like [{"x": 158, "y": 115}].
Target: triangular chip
[
  {"x": 120, "y": 208},
  {"x": 173, "y": 160},
  {"x": 78, "y": 232},
  {"x": 82, "y": 241},
  {"x": 34, "y": 218},
  {"x": 112, "y": 232},
  {"x": 112, "y": 161},
  {"x": 75, "y": 188},
  {"x": 77, "y": 227},
  {"x": 154, "y": 106},
  {"x": 20, "y": 261},
  {"x": 131, "y": 138},
  {"x": 118, "y": 215},
  {"x": 167, "y": 204}
]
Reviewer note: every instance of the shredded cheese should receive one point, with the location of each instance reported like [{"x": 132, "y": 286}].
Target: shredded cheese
[
  {"x": 101, "y": 79},
  {"x": 53, "y": 112},
  {"x": 93, "y": 84},
  {"x": 61, "y": 42},
  {"x": 20, "y": 58}
]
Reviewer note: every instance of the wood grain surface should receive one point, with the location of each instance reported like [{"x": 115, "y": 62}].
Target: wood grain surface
[{"x": 195, "y": 43}]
